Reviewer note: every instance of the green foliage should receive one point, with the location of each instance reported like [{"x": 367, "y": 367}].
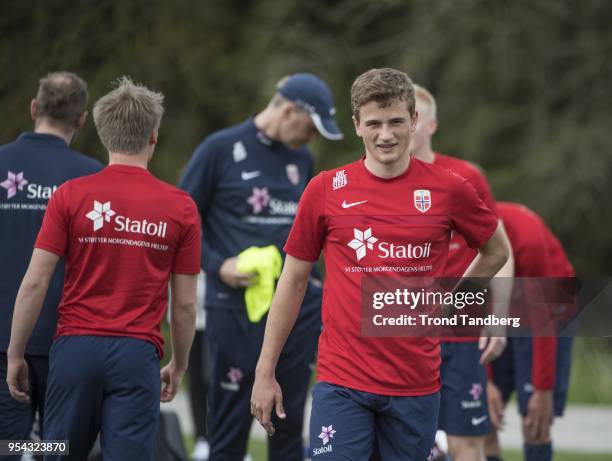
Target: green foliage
[
  {"x": 523, "y": 87},
  {"x": 591, "y": 373}
]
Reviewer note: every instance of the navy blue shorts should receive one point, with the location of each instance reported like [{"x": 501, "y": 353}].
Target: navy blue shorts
[
  {"x": 512, "y": 371},
  {"x": 103, "y": 384},
  {"x": 344, "y": 424},
  {"x": 463, "y": 398},
  {"x": 17, "y": 418}
]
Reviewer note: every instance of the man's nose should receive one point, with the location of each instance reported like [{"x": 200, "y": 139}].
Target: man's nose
[{"x": 385, "y": 132}]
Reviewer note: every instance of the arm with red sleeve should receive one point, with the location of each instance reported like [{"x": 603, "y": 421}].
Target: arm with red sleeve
[
  {"x": 481, "y": 229},
  {"x": 493, "y": 343},
  {"x": 471, "y": 218},
  {"x": 303, "y": 247},
  {"x": 537, "y": 264},
  {"x": 545, "y": 348}
]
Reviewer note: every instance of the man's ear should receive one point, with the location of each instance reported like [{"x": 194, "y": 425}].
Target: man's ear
[
  {"x": 286, "y": 109},
  {"x": 33, "y": 109},
  {"x": 413, "y": 121},
  {"x": 432, "y": 126},
  {"x": 81, "y": 120},
  {"x": 356, "y": 125}
]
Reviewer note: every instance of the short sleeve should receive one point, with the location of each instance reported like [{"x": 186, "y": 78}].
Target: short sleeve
[
  {"x": 53, "y": 234},
  {"x": 305, "y": 240},
  {"x": 187, "y": 257},
  {"x": 481, "y": 184},
  {"x": 469, "y": 215}
]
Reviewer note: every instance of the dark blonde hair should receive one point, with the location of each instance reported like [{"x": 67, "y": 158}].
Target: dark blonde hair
[
  {"x": 127, "y": 116},
  {"x": 385, "y": 86}
]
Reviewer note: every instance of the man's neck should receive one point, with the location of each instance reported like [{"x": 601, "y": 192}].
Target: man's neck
[
  {"x": 140, "y": 160},
  {"x": 425, "y": 155},
  {"x": 44, "y": 127},
  {"x": 387, "y": 171}
]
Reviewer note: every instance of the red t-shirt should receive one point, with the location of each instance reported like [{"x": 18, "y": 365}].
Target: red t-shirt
[
  {"x": 419, "y": 209},
  {"x": 537, "y": 253},
  {"x": 460, "y": 254},
  {"x": 122, "y": 232}
]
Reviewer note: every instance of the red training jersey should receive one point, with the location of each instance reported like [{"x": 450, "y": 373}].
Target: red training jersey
[
  {"x": 369, "y": 225},
  {"x": 537, "y": 253},
  {"x": 122, "y": 232}
]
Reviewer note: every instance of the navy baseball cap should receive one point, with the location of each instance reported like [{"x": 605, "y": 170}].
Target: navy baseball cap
[{"x": 311, "y": 93}]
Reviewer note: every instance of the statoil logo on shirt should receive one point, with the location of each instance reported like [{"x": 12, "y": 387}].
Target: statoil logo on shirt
[
  {"x": 261, "y": 200},
  {"x": 102, "y": 212},
  {"x": 364, "y": 241},
  {"x": 17, "y": 182}
]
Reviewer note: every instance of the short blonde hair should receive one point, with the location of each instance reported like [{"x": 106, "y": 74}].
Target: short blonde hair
[
  {"x": 384, "y": 86},
  {"x": 127, "y": 116},
  {"x": 424, "y": 94}
]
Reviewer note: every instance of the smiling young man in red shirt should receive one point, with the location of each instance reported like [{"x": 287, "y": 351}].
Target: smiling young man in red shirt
[
  {"x": 125, "y": 235},
  {"x": 386, "y": 213}
]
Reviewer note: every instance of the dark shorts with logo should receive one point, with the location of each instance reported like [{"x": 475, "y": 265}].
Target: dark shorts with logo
[
  {"x": 103, "y": 385},
  {"x": 463, "y": 398},
  {"x": 512, "y": 371},
  {"x": 347, "y": 424}
]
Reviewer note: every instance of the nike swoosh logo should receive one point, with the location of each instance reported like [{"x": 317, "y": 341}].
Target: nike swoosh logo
[
  {"x": 246, "y": 175},
  {"x": 477, "y": 421},
  {"x": 348, "y": 205}
]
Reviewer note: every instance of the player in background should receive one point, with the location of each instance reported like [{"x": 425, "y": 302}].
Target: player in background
[
  {"x": 537, "y": 368},
  {"x": 31, "y": 169},
  {"x": 366, "y": 387},
  {"x": 463, "y": 404},
  {"x": 247, "y": 181},
  {"x": 124, "y": 235}
]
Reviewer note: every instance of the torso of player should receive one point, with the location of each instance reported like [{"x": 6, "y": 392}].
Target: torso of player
[
  {"x": 380, "y": 228},
  {"x": 377, "y": 226},
  {"x": 368, "y": 226},
  {"x": 121, "y": 231}
]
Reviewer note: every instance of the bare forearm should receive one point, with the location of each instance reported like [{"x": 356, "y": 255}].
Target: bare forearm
[
  {"x": 182, "y": 328},
  {"x": 486, "y": 266},
  {"x": 281, "y": 318},
  {"x": 27, "y": 310}
]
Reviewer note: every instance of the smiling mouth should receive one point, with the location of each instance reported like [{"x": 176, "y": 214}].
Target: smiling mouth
[{"x": 387, "y": 146}]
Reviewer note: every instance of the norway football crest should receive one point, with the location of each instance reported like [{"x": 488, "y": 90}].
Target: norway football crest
[
  {"x": 422, "y": 200},
  {"x": 293, "y": 173}
]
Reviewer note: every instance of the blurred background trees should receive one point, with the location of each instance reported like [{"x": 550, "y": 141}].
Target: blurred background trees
[{"x": 523, "y": 87}]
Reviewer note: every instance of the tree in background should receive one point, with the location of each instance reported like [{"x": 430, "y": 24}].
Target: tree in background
[{"x": 523, "y": 85}]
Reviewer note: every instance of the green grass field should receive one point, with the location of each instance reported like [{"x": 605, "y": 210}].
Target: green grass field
[{"x": 258, "y": 450}]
